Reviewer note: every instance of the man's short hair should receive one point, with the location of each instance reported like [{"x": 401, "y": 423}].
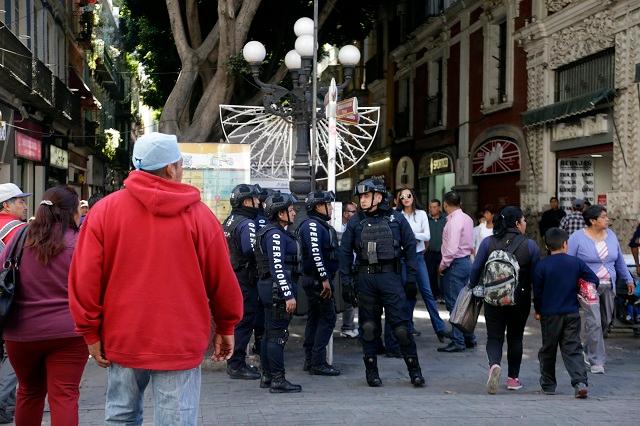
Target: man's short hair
[
  {"x": 452, "y": 198},
  {"x": 435, "y": 200},
  {"x": 553, "y": 198},
  {"x": 554, "y": 238},
  {"x": 346, "y": 205}
]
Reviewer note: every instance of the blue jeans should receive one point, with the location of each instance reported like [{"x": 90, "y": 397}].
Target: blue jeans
[
  {"x": 424, "y": 286},
  {"x": 176, "y": 396},
  {"x": 455, "y": 277}
]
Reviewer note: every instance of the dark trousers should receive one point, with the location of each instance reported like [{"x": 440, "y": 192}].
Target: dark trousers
[
  {"x": 377, "y": 292},
  {"x": 276, "y": 331},
  {"x": 48, "y": 368},
  {"x": 321, "y": 318},
  {"x": 512, "y": 319},
  {"x": 564, "y": 331},
  {"x": 243, "y": 330},
  {"x": 433, "y": 259}
]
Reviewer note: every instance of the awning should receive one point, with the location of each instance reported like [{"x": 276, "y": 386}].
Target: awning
[{"x": 568, "y": 108}]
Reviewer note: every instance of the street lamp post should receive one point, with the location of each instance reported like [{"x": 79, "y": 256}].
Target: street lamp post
[{"x": 297, "y": 102}]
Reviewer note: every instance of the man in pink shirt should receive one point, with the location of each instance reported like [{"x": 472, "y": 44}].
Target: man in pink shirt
[{"x": 455, "y": 267}]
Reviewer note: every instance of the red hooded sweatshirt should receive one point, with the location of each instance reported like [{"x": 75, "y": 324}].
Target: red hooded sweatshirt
[{"x": 150, "y": 266}]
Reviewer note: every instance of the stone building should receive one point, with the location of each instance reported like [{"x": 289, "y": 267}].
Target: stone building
[{"x": 583, "y": 106}]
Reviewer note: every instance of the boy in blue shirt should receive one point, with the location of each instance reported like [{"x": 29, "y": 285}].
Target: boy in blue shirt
[{"x": 555, "y": 299}]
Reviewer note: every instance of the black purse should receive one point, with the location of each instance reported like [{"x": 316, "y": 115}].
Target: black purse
[{"x": 10, "y": 274}]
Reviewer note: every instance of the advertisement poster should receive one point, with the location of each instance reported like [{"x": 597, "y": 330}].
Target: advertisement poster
[
  {"x": 575, "y": 180},
  {"x": 215, "y": 168}
]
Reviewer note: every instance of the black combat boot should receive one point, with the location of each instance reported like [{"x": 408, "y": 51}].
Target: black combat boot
[
  {"x": 414, "y": 371},
  {"x": 265, "y": 380},
  {"x": 371, "y": 366},
  {"x": 324, "y": 370},
  {"x": 281, "y": 385}
]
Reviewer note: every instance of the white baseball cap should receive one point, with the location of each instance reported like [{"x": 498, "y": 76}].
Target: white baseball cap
[{"x": 11, "y": 190}]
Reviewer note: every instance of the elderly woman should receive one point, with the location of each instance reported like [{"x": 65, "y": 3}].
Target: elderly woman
[{"x": 599, "y": 248}]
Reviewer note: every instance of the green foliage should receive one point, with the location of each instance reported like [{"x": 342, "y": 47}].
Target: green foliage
[{"x": 146, "y": 32}]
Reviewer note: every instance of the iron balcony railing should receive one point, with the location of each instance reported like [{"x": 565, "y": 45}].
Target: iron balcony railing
[
  {"x": 62, "y": 96},
  {"x": 15, "y": 57},
  {"x": 42, "y": 84}
]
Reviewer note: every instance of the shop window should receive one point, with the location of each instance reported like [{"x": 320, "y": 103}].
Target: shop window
[
  {"x": 590, "y": 74},
  {"x": 433, "y": 106}
]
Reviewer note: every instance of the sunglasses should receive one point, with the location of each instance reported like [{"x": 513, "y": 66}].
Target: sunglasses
[{"x": 406, "y": 197}]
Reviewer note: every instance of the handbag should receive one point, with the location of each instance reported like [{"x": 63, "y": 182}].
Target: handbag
[
  {"x": 464, "y": 315},
  {"x": 10, "y": 273}
]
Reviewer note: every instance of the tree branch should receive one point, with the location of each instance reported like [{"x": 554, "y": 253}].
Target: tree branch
[
  {"x": 244, "y": 20},
  {"x": 193, "y": 24},
  {"x": 177, "y": 28}
]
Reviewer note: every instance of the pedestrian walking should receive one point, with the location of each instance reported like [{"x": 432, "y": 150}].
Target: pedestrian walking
[
  {"x": 240, "y": 232},
  {"x": 412, "y": 211},
  {"x": 598, "y": 247},
  {"x": 277, "y": 257},
  {"x": 574, "y": 221},
  {"x": 148, "y": 275},
  {"x": 48, "y": 355},
  {"x": 433, "y": 257},
  {"x": 12, "y": 218},
  {"x": 484, "y": 228},
  {"x": 555, "y": 299},
  {"x": 380, "y": 238},
  {"x": 552, "y": 217},
  {"x": 319, "y": 243},
  {"x": 455, "y": 266},
  {"x": 508, "y": 235}
]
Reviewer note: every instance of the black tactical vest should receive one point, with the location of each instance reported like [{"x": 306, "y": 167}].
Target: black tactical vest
[
  {"x": 377, "y": 244},
  {"x": 238, "y": 259}
]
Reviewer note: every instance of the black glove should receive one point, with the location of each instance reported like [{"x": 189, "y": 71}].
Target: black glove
[
  {"x": 411, "y": 290},
  {"x": 349, "y": 291}
]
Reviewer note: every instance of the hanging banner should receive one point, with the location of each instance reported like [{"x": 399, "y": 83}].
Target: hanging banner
[
  {"x": 575, "y": 180},
  {"x": 495, "y": 157},
  {"x": 215, "y": 168}
]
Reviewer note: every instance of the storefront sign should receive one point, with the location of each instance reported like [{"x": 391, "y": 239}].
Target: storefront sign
[
  {"x": 405, "y": 173},
  {"x": 28, "y": 147},
  {"x": 435, "y": 164},
  {"x": 345, "y": 184},
  {"x": 575, "y": 180},
  {"x": 495, "y": 157},
  {"x": 602, "y": 199},
  {"x": 585, "y": 127},
  {"x": 58, "y": 157}
]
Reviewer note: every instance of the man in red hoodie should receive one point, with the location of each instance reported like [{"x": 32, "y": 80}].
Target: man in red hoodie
[{"x": 149, "y": 271}]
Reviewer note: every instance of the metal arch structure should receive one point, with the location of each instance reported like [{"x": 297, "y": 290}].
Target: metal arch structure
[{"x": 273, "y": 145}]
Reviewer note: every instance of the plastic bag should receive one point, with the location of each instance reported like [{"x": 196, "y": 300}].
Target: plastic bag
[
  {"x": 464, "y": 315},
  {"x": 587, "y": 292}
]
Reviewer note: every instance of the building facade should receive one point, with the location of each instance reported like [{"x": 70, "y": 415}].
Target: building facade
[
  {"x": 583, "y": 106},
  {"x": 49, "y": 112}
]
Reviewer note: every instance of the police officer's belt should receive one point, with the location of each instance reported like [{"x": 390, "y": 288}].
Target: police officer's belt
[{"x": 378, "y": 268}]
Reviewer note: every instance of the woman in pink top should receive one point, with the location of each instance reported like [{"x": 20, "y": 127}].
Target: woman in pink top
[{"x": 44, "y": 349}]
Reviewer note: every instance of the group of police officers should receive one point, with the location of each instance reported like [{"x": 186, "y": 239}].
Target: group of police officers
[{"x": 273, "y": 258}]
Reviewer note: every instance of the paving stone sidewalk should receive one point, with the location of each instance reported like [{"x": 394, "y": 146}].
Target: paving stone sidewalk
[{"x": 454, "y": 395}]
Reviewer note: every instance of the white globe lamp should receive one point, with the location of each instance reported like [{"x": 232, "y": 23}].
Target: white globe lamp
[
  {"x": 254, "y": 52},
  {"x": 304, "y": 46},
  {"x": 349, "y": 56},
  {"x": 303, "y": 26},
  {"x": 292, "y": 60}
]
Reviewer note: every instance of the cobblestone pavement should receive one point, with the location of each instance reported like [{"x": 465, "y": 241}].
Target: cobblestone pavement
[{"x": 455, "y": 392}]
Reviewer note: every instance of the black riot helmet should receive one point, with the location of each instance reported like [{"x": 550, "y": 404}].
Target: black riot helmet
[
  {"x": 318, "y": 197},
  {"x": 276, "y": 203},
  {"x": 240, "y": 193},
  {"x": 265, "y": 193},
  {"x": 370, "y": 185}
]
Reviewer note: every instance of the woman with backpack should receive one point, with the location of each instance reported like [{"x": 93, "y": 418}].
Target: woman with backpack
[{"x": 507, "y": 313}]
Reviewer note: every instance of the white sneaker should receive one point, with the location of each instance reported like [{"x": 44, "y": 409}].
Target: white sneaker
[
  {"x": 352, "y": 334},
  {"x": 597, "y": 369}
]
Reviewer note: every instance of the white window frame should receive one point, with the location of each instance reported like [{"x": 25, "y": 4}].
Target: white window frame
[{"x": 490, "y": 101}]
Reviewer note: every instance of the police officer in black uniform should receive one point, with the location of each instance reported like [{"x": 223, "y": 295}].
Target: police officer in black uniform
[
  {"x": 277, "y": 257},
  {"x": 319, "y": 243},
  {"x": 240, "y": 231},
  {"x": 380, "y": 237},
  {"x": 261, "y": 221}
]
